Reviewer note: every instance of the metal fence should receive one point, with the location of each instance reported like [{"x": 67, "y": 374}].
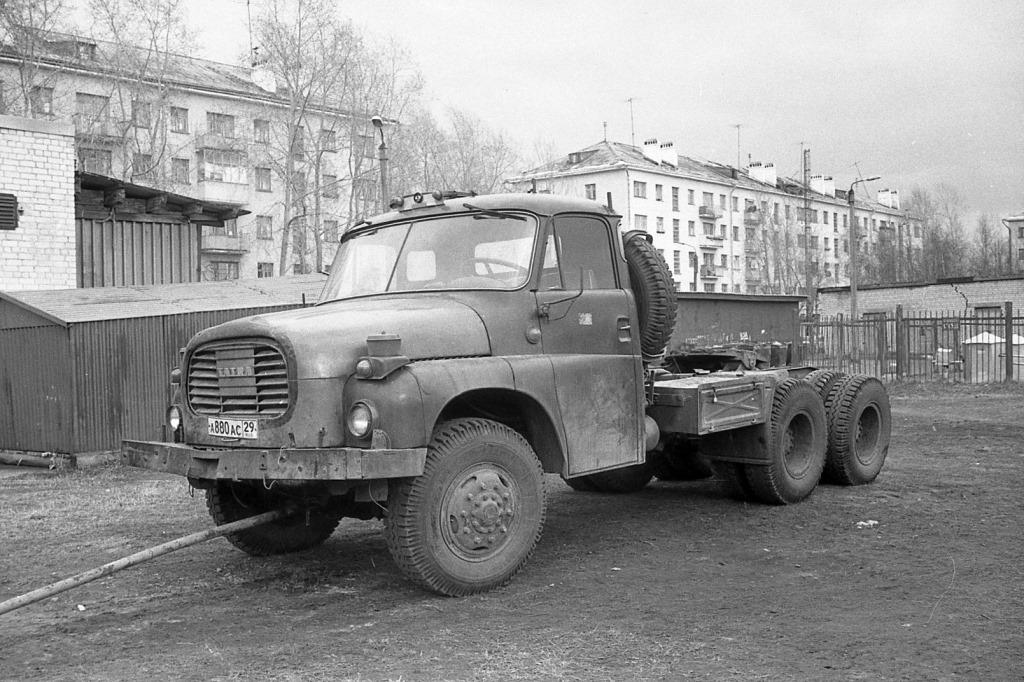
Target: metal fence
[{"x": 965, "y": 347}]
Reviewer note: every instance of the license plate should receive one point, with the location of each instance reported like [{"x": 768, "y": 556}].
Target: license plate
[{"x": 233, "y": 428}]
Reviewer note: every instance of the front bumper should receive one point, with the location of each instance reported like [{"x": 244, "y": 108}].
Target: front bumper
[{"x": 295, "y": 464}]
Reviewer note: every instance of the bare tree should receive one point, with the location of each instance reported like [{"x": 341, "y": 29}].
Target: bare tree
[
  {"x": 987, "y": 248},
  {"x": 29, "y": 33}
]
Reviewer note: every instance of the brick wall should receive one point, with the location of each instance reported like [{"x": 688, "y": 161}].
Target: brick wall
[
  {"x": 956, "y": 297},
  {"x": 37, "y": 164}
]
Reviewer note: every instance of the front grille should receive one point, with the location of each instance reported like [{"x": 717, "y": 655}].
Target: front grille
[{"x": 246, "y": 379}]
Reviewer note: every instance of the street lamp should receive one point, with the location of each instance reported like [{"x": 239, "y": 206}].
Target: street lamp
[
  {"x": 382, "y": 156},
  {"x": 854, "y": 238}
]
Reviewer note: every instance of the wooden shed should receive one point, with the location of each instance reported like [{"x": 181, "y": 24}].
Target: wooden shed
[{"x": 80, "y": 369}]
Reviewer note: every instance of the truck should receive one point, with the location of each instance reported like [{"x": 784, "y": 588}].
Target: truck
[{"x": 463, "y": 347}]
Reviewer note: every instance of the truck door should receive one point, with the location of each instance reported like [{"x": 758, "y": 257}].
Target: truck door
[{"x": 589, "y": 332}]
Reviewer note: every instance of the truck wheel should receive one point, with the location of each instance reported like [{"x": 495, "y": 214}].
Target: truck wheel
[
  {"x": 473, "y": 518},
  {"x": 654, "y": 291},
  {"x": 229, "y": 502},
  {"x": 860, "y": 425},
  {"x": 795, "y": 439},
  {"x": 823, "y": 380}
]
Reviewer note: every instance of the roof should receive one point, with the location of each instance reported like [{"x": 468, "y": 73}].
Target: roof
[
  {"x": 75, "y": 306},
  {"x": 68, "y": 51},
  {"x": 197, "y": 210},
  {"x": 541, "y": 204},
  {"x": 607, "y": 155}
]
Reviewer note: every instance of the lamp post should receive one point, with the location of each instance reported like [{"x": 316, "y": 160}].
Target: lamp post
[
  {"x": 382, "y": 156},
  {"x": 854, "y": 238}
]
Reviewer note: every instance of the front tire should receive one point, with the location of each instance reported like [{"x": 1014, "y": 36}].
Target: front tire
[
  {"x": 473, "y": 518},
  {"x": 795, "y": 439},
  {"x": 229, "y": 502}
]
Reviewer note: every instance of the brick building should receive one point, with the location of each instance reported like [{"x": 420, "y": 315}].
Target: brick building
[
  {"x": 963, "y": 295},
  {"x": 37, "y": 168}
]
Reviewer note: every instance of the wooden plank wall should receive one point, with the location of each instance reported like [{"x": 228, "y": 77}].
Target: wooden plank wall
[{"x": 135, "y": 250}]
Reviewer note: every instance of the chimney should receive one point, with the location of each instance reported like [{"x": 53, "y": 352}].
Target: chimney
[
  {"x": 262, "y": 76},
  {"x": 668, "y": 154},
  {"x": 651, "y": 149},
  {"x": 885, "y": 197},
  {"x": 894, "y": 199},
  {"x": 823, "y": 184},
  {"x": 763, "y": 173}
]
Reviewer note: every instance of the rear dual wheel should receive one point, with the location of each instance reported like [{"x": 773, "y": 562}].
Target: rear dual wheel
[
  {"x": 859, "y": 428},
  {"x": 795, "y": 439}
]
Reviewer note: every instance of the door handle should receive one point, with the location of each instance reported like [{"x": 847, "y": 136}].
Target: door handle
[{"x": 624, "y": 328}]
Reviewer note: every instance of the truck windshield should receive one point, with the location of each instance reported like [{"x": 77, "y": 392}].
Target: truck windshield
[{"x": 477, "y": 251}]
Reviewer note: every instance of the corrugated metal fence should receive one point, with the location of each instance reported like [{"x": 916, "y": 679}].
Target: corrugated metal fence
[{"x": 920, "y": 346}]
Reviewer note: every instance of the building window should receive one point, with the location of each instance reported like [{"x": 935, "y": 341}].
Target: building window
[
  {"x": 40, "y": 101},
  {"x": 917, "y": 231},
  {"x": 591, "y": 191},
  {"x": 708, "y": 200},
  {"x": 721, "y": 231},
  {"x": 721, "y": 201},
  {"x": 179, "y": 171},
  {"x": 330, "y": 186},
  {"x": 142, "y": 114},
  {"x": 640, "y": 222},
  {"x": 691, "y": 228},
  {"x": 660, "y": 224},
  {"x": 827, "y": 247},
  {"x": 689, "y": 197},
  {"x": 179, "y": 120},
  {"x": 724, "y": 260},
  {"x": 222, "y": 165},
  {"x": 263, "y": 180},
  {"x": 299, "y": 142},
  {"x": 677, "y": 262},
  {"x": 1020, "y": 232},
  {"x": 264, "y": 270},
  {"x": 94, "y": 160},
  {"x": 787, "y": 212},
  {"x": 751, "y": 234},
  {"x": 229, "y": 228},
  {"x": 328, "y": 140},
  {"x": 331, "y": 230},
  {"x": 709, "y": 229},
  {"x": 709, "y": 288},
  {"x": 221, "y": 270},
  {"x": 1020, "y": 254},
  {"x": 814, "y": 241},
  {"x": 142, "y": 167},
  {"x": 657, "y": 193},
  {"x": 220, "y": 124},
  {"x": 735, "y": 233},
  {"x": 260, "y": 131},
  {"x": 735, "y": 203},
  {"x": 264, "y": 227},
  {"x": 675, "y": 230},
  {"x": 639, "y": 189},
  {"x": 90, "y": 108},
  {"x": 675, "y": 198},
  {"x": 775, "y": 211}
]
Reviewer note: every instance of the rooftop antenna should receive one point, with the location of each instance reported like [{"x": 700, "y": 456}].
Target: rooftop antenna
[
  {"x": 737, "y": 126},
  {"x": 632, "y": 123},
  {"x": 252, "y": 50},
  {"x": 604, "y": 124}
]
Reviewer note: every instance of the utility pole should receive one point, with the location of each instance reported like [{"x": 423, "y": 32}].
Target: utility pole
[
  {"x": 632, "y": 124},
  {"x": 854, "y": 237},
  {"x": 737, "y": 126},
  {"x": 382, "y": 155},
  {"x": 806, "y": 163}
]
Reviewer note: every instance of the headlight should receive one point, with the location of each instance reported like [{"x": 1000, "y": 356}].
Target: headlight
[
  {"x": 174, "y": 417},
  {"x": 361, "y": 419}
]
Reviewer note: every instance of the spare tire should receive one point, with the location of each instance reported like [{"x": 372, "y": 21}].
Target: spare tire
[{"x": 654, "y": 291}]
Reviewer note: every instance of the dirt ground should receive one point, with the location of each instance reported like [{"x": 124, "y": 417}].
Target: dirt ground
[{"x": 918, "y": 576}]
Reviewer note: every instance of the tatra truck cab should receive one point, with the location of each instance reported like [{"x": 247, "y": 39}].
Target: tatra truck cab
[{"x": 463, "y": 347}]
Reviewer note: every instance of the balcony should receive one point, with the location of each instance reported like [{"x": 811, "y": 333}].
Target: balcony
[
  {"x": 707, "y": 212},
  {"x": 98, "y": 129},
  {"x": 710, "y": 272},
  {"x": 228, "y": 192},
  {"x": 752, "y": 217},
  {"x": 225, "y": 244},
  {"x": 219, "y": 141}
]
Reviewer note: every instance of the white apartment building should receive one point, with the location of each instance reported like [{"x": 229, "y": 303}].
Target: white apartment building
[
  {"x": 207, "y": 130},
  {"x": 726, "y": 230}
]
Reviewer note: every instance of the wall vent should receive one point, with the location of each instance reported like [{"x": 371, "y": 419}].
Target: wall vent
[{"x": 8, "y": 212}]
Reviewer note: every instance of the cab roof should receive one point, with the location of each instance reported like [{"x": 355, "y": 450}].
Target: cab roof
[{"x": 438, "y": 204}]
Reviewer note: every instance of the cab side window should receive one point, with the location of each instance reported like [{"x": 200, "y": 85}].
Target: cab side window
[{"x": 578, "y": 246}]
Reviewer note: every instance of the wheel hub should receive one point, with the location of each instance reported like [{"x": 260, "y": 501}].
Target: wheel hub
[{"x": 479, "y": 508}]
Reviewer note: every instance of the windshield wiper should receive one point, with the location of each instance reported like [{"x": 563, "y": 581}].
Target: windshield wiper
[{"x": 493, "y": 213}]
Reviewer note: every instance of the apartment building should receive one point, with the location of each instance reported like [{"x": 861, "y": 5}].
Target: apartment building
[
  {"x": 728, "y": 230},
  {"x": 208, "y": 130}
]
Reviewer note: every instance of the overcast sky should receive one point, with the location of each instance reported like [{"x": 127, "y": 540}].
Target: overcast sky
[{"x": 917, "y": 92}]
